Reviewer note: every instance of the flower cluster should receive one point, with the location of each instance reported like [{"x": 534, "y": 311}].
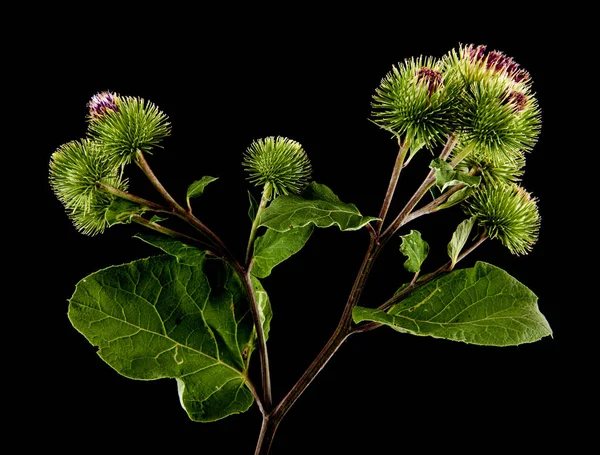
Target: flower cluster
[
  {"x": 82, "y": 170},
  {"x": 481, "y": 101}
]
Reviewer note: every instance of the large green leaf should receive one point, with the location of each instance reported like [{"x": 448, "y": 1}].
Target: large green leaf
[
  {"x": 166, "y": 317},
  {"x": 317, "y": 205},
  {"x": 274, "y": 247},
  {"x": 190, "y": 255},
  {"x": 481, "y": 305}
]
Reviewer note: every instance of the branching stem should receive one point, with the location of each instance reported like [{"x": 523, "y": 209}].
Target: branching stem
[{"x": 227, "y": 256}]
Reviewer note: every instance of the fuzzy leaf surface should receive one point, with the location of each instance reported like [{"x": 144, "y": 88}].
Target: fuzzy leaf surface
[
  {"x": 317, "y": 205},
  {"x": 481, "y": 305},
  {"x": 163, "y": 317},
  {"x": 274, "y": 247}
]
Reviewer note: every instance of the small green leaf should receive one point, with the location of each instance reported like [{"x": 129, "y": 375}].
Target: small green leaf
[
  {"x": 274, "y": 247},
  {"x": 196, "y": 189},
  {"x": 316, "y": 205},
  {"x": 446, "y": 175},
  {"x": 481, "y": 305},
  {"x": 121, "y": 211},
  {"x": 158, "y": 219},
  {"x": 459, "y": 238},
  {"x": 456, "y": 198},
  {"x": 415, "y": 249},
  {"x": 253, "y": 207}
]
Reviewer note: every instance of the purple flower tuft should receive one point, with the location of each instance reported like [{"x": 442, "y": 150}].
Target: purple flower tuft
[
  {"x": 431, "y": 77},
  {"x": 498, "y": 62},
  {"x": 517, "y": 99},
  {"x": 101, "y": 103}
]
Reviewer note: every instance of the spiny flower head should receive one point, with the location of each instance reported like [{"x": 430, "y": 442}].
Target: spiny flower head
[
  {"x": 278, "y": 162},
  {"x": 76, "y": 169},
  {"x": 499, "y": 121},
  {"x": 477, "y": 63},
  {"x": 506, "y": 172},
  {"x": 508, "y": 213},
  {"x": 131, "y": 124},
  {"x": 101, "y": 103},
  {"x": 417, "y": 100}
]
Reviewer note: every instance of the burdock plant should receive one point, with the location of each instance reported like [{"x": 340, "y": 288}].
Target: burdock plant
[{"x": 196, "y": 312}]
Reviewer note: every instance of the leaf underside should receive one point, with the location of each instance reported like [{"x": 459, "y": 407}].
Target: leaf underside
[
  {"x": 180, "y": 316},
  {"x": 481, "y": 305}
]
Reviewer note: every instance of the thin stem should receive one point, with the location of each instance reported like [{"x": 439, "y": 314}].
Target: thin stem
[
  {"x": 265, "y": 369},
  {"x": 267, "y": 433},
  {"x": 398, "y": 165},
  {"x": 132, "y": 198},
  {"x": 429, "y": 181},
  {"x": 461, "y": 155},
  {"x": 145, "y": 167},
  {"x": 166, "y": 231},
  {"x": 256, "y": 396},
  {"x": 433, "y": 205},
  {"x": 341, "y": 333},
  {"x": 265, "y": 198}
]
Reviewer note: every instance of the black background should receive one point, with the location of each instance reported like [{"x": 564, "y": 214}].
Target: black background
[{"x": 224, "y": 83}]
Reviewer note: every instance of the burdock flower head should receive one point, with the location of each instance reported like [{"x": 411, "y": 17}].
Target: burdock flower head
[
  {"x": 491, "y": 172},
  {"x": 124, "y": 125},
  {"x": 77, "y": 168},
  {"x": 278, "y": 164},
  {"x": 508, "y": 213},
  {"x": 477, "y": 63},
  {"x": 417, "y": 101},
  {"x": 499, "y": 114}
]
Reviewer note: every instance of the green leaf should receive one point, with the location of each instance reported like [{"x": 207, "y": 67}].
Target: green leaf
[
  {"x": 192, "y": 256},
  {"x": 186, "y": 254},
  {"x": 446, "y": 175},
  {"x": 274, "y": 247},
  {"x": 456, "y": 198},
  {"x": 196, "y": 189},
  {"x": 416, "y": 249},
  {"x": 253, "y": 207},
  {"x": 459, "y": 238},
  {"x": 317, "y": 205},
  {"x": 158, "y": 219},
  {"x": 481, "y": 305},
  {"x": 184, "y": 317},
  {"x": 121, "y": 211}
]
